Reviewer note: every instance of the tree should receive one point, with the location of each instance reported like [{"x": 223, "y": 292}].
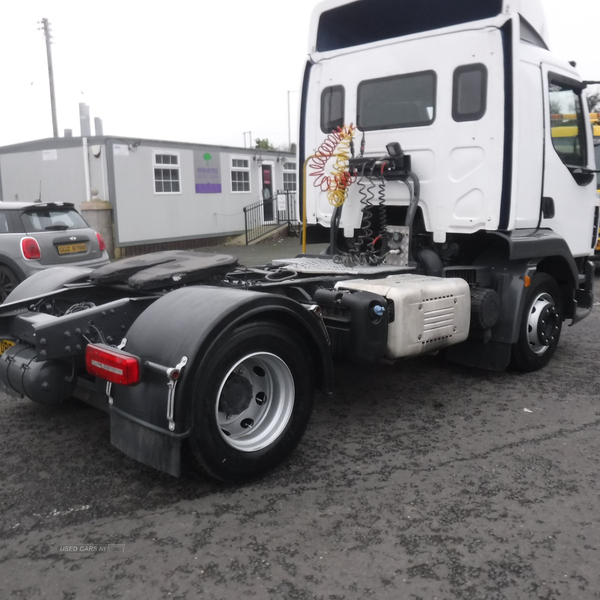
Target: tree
[
  {"x": 264, "y": 144},
  {"x": 555, "y": 106},
  {"x": 594, "y": 102}
]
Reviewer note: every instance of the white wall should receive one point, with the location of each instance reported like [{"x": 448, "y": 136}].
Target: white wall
[
  {"x": 143, "y": 216},
  {"x": 126, "y": 178},
  {"x": 61, "y": 176}
]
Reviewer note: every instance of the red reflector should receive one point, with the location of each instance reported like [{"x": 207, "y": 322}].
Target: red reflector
[
  {"x": 101, "y": 242},
  {"x": 31, "y": 248},
  {"x": 112, "y": 364}
]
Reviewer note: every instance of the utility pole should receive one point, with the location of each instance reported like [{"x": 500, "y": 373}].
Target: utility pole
[
  {"x": 290, "y": 120},
  {"x": 46, "y": 27},
  {"x": 289, "y": 125}
]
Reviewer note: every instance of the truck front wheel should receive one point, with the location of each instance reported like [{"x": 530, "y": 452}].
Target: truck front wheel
[
  {"x": 252, "y": 402},
  {"x": 541, "y": 325}
]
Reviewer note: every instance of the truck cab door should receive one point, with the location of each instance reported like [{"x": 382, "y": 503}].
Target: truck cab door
[{"x": 569, "y": 153}]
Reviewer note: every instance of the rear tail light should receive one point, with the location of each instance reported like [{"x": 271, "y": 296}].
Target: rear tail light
[
  {"x": 112, "y": 364},
  {"x": 101, "y": 242},
  {"x": 31, "y": 248}
]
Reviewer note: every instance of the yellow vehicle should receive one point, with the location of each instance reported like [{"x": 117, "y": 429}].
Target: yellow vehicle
[
  {"x": 565, "y": 129},
  {"x": 596, "y": 126},
  {"x": 595, "y": 117}
]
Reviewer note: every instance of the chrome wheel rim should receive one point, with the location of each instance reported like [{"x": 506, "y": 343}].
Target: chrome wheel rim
[
  {"x": 543, "y": 324},
  {"x": 255, "y": 402}
]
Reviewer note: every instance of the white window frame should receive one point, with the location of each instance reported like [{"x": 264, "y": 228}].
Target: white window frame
[
  {"x": 289, "y": 168},
  {"x": 172, "y": 167},
  {"x": 236, "y": 169}
]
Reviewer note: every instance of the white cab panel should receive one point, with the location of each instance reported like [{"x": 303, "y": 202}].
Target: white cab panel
[{"x": 459, "y": 164}]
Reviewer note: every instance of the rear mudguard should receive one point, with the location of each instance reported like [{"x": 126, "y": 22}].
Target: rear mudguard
[{"x": 183, "y": 328}]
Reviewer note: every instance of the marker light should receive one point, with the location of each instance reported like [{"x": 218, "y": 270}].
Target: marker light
[
  {"x": 30, "y": 248},
  {"x": 112, "y": 364}
]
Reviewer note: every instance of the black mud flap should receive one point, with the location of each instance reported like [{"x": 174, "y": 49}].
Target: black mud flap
[
  {"x": 147, "y": 444},
  {"x": 493, "y": 356}
]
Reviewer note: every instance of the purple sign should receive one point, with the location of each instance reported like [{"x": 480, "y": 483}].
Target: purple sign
[
  {"x": 208, "y": 188},
  {"x": 207, "y": 172}
]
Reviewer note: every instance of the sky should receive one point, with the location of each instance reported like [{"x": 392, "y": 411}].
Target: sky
[{"x": 201, "y": 71}]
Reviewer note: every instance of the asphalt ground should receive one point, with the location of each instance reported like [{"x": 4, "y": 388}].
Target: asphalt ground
[{"x": 418, "y": 480}]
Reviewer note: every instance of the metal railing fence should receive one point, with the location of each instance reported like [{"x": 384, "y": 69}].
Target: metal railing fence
[{"x": 265, "y": 216}]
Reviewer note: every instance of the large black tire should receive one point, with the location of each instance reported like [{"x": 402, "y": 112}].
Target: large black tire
[
  {"x": 252, "y": 402},
  {"x": 8, "y": 282},
  {"x": 541, "y": 325}
]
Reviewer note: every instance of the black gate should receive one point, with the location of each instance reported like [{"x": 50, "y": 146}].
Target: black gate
[{"x": 269, "y": 214}]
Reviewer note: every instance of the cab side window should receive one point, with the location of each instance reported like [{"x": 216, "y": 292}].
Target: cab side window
[
  {"x": 567, "y": 124},
  {"x": 469, "y": 93}
]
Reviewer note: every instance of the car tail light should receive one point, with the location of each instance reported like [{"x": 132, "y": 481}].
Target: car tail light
[
  {"x": 112, "y": 364},
  {"x": 101, "y": 242},
  {"x": 31, "y": 248}
]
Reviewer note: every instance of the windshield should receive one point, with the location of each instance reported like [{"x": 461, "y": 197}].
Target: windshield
[{"x": 52, "y": 219}]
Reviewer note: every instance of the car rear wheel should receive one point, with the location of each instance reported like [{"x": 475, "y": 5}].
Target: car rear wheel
[{"x": 8, "y": 282}]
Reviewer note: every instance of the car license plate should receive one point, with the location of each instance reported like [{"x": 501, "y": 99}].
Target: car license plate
[
  {"x": 72, "y": 248},
  {"x": 5, "y": 345}
]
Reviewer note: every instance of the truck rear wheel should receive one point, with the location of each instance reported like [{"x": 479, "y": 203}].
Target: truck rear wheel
[
  {"x": 252, "y": 402},
  {"x": 540, "y": 326}
]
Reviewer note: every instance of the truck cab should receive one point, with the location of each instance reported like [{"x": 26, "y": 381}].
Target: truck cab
[
  {"x": 468, "y": 92},
  {"x": 469, "y": 95}
]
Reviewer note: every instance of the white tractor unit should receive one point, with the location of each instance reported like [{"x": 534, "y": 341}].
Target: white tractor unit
[{"x": 448, "y": 161}]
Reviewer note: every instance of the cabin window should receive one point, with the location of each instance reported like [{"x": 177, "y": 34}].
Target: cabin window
[
  {"x": 166, "y": 173},
  {"x": 367, "y": 21},
  {"x": 240, "y": 175},
  {"x": 530, "y": 35},
  {"x": 332, "y": 108},
  {"x": 567, "y": 123},
  {"x": 469, "y": 93},
  {"x": 398, "y": 101}
]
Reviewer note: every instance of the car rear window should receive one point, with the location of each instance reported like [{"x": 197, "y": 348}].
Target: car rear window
[
  {"x": 48, "y": 219},
  {"x": 4, "y": 223}
]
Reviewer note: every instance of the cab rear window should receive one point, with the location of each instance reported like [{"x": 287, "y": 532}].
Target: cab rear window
[
  {"x": 397, "y": 101},
  {"x": 41, "y": 219}
]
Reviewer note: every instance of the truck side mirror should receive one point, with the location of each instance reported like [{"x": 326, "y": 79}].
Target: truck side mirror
[{"x": 583, "y": 177}]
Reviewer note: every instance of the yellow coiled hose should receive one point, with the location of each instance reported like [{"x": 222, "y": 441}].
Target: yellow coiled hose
[{"x": 337, "y": 144}]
